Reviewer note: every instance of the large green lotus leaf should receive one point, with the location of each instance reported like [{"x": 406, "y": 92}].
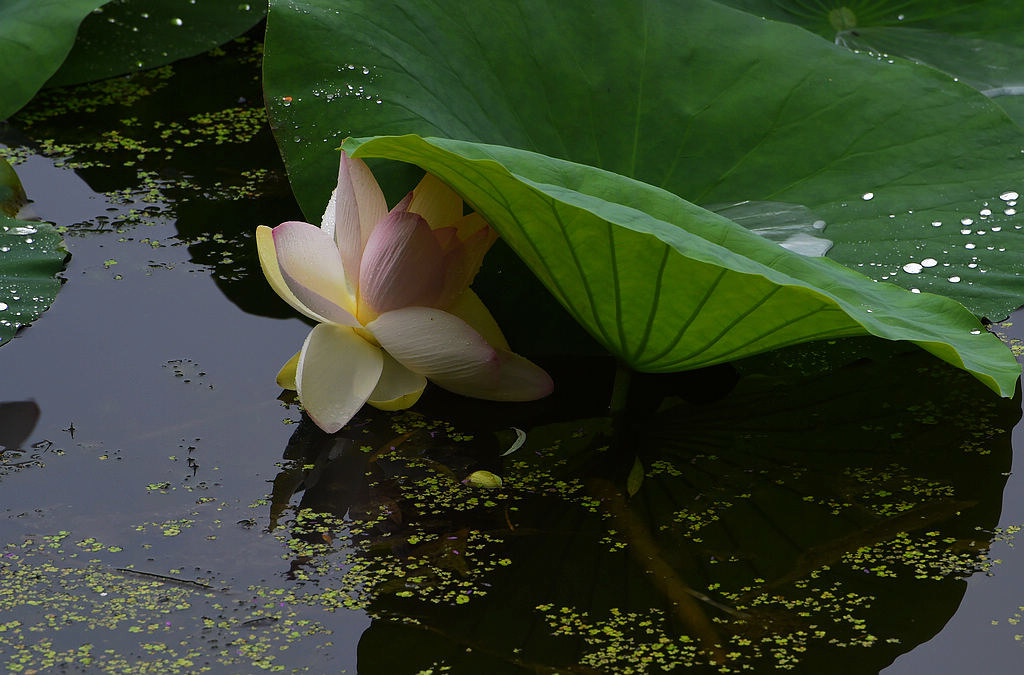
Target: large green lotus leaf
[
  {"x": 711, "y": 103},
  {"x": 831, "y": 16},
  {"x": 35, "y": 37},
  {"x": 129, "y": 35},
  {"x": 666, "y": 285},
  {"x": 31, "y": 254},
  {"x": 976, "y": 42}
]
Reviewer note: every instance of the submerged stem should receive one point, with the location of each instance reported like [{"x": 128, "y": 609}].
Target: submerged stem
[
  {"x": 620, "y": 390},
  {"x": 647, "y": 554}
]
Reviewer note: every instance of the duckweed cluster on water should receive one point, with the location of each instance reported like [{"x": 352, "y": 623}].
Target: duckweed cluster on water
[
  {"x": 786, "y": 549},
  {"x": 1016, "y": 620},
  {"x": 1004, "y": 330},
  {"x": 15, "y": 155},
  {"x": 893, "y": 489},
  {"x": 928, "y": 556},
  {"x": 625, "y": 642},
  {"x": 770, "y": 620},
  {"x": 630, "y": 642},
  {"x": 120, "y": 132},
  {"x": 89, "y": 98},
  {"x": 176, "y": 625},
  {"x": 408, "y": 543},
  {"x": 386, "y": 525},
  {"x": 131, "y": 143},
  {"x": 232, "y": 125}
]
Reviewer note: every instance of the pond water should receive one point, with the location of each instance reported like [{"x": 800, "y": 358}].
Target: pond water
[{"x": 164, "y": 507}]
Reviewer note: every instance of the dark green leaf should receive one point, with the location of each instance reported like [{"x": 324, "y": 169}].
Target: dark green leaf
[
  {"x": 35, "y": 37},
  {"x": 129, "y": 35},
  {"x": 712, "y": 104},
  {"x": 12, "y": 194},
  {"x": 975, "y": 42},
  {"x": 30, "y": 255}
]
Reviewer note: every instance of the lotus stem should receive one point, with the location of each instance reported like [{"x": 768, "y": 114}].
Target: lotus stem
[{"x": 620, "y": 390}]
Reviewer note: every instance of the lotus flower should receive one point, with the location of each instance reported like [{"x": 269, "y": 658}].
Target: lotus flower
[{"x": 390, "y": 292}]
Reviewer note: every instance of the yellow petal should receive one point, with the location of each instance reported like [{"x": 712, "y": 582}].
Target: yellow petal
[
  {"x": 398, "y": 388},
  {"x": 471, "y": 309},
  {"x": 470, "y": 224},
  {"x": 436, "y": 202},
  {"x": 268, "y": 261},
  {"x": 311, "y": 266},
  {"x": 464, "y": 254},
  {"x": 401, "y": 403},
  {"x": 286, "y": 376}
]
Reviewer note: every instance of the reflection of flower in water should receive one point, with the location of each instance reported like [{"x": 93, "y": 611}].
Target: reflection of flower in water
[
  {"x": 802, "y": 548},
  {"x": 390, "y": 514},
  {"x": 390, "y": 291}
]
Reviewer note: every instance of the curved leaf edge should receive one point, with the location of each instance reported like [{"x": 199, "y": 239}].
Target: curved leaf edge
[
  {"x": 986, "y": 357},
  {"x": 64, "y": 22},
  {"x": 36, "y": 275}
]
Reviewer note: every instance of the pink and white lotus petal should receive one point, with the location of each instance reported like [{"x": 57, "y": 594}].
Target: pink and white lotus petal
[
  {"x": 473, "y": 223},
  {"x": 311, "y": 267},
  {"x": 402, "y": 265},
  {"x": 439, "y": 205},
  {"x": 435, "y": 344},
  {"x": 271, "y": 270},
  {"x": 358, "y": 205},
  {"x": 519, "y": 379},
  {"x": 399, "y": 388},
  {"x": 449, "y": 352},
  {"x": 337, "y": 371}
]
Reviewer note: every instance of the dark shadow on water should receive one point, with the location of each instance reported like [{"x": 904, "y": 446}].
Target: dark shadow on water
[
  {"x": 17, "y": 420},
  {"x": 826, "y": 524}
]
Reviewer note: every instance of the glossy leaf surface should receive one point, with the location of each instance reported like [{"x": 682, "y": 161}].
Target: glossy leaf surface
[
  {"x": 667, "y": 286},
  {"x": 974, "y": 41},
  {"x": 710, "y": 103},
  {"x": 36, "y": 35},
  {"x": 31, "y": 254},
  {"x": 129, "y": 35}
]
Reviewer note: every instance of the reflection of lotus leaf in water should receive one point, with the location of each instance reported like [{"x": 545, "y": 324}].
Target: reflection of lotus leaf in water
[
  {"x": 17, "y": 420},
  {"x": 204, "y": 184},
  {"x": 782, "y": 525}
]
